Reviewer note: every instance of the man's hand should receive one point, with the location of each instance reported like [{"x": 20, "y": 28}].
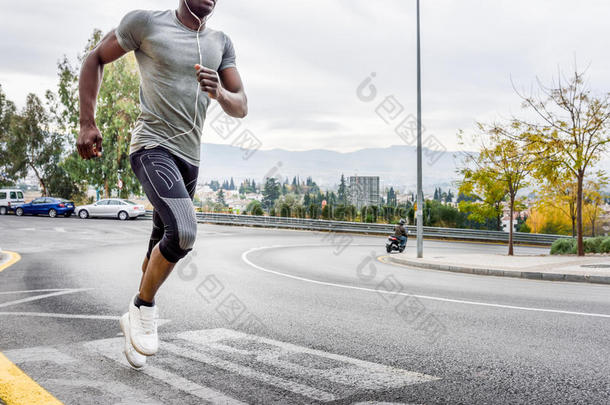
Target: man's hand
[
  {"x": 89, "y": 143},
  {"x": 209, "y": 81}
]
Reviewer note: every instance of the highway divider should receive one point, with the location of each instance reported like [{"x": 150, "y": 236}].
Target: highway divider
[{"x": 372, "y": 229}]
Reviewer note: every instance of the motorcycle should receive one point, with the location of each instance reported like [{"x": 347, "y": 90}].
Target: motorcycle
[{"x": 394, "y": 244}]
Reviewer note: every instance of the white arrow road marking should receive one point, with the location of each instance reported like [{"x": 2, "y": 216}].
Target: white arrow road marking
[
  {"x": 248, "y": 372},
  {"x": 53, "y": 292},
  {"x": 127, "y": 394},
  {"x": 40, "y": 297},
  {"x": 263, "y": 364},
  {"x": 306, "y": 362},
  {"x": 31, "y": 291},
  {"x": 112, "y": 349},
  {"x": 39, "y": 354},
  {"x": 244, "y": 257}
]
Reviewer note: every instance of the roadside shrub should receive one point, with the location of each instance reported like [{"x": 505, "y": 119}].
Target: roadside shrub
[
  {"x": 599, "y": 244},
  {"x": 285, "y": 211},
  {"x": 524, "y": 227},
  {"x": 593, "y": 245},
  {"x": 563, "y": 247},
  {"x": 604, "y": 247}
]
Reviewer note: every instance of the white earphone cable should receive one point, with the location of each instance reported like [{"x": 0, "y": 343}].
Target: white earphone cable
[{"x": 201, "y": 24}]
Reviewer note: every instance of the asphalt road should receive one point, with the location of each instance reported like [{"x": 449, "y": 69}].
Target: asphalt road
[{"x": 285, "y": 317}]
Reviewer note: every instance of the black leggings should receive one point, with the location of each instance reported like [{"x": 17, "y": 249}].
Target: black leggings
[{"x": 169, "y": 183}]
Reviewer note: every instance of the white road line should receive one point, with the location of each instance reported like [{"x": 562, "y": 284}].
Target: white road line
[
  {"x": 35, "y": 354},
  {"x": 244, "y": 257},
  {"x": 88, "y": 377},
  {"x": 306, "y": 362},
  {"x": 39, "y": 297},
  {"x": 117, "y": 389},
  {"x": 248, "y": 372},
  {"x": 31, "y": 291},
  {"x": 68, "y": 316},
  {"x": 111, "y": 349},
  {"x": 160, "y": 322}
]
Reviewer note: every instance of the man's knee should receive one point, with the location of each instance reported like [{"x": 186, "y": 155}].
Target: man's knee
[
  {"x": 187, "y": 234},
  {"x": 181, "y": 233}
]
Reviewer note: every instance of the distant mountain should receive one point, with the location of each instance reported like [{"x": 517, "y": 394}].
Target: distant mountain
[{"x": 396, "y": 166}]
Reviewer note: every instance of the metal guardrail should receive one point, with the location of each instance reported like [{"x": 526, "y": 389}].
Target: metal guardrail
[{"x": 375, "y": 229}]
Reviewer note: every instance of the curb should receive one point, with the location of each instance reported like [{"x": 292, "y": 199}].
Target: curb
[{"x": 531, "y": 275}]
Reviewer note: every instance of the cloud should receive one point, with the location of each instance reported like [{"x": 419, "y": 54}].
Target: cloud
[
  {"x": 306, "y": 124},
  {"x": 302, "y": 61}
]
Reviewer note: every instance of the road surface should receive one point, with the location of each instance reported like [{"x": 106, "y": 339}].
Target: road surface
[{"x": 266, "y": 316}]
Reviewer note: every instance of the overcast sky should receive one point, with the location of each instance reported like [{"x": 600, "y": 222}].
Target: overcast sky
[{"x": 302, "y": 61}]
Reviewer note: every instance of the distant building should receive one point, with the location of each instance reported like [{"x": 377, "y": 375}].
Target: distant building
[{"x": 363, "y": 190}]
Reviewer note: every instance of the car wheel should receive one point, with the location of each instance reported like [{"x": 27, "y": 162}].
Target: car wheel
[
  {"x": 19, "y": 212},
  {"x": 3, "y": 210},
  {"x": 52, "y": 213},
  {"x": 83, "y": 214},
  {"x": 123, "y": 216},
  {"x": 68, "y": 214}
]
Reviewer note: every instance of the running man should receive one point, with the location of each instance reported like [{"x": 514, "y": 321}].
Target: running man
[{"x": 183, "y": 64}]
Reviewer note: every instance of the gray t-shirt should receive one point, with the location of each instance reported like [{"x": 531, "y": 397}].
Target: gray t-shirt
[{"x": 166, "y": 51}]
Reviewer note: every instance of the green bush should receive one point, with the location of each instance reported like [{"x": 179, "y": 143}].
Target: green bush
[
  {"x": 258, "y": 210},
  {"x": 524, "y": 227},
  {"x": 563, "y": 246},
  {"x": 593, "y": 245},
  {"x": 599, "y": 244}
]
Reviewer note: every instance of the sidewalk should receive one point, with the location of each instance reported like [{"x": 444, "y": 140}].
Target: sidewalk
[{"x": 589, "y": 269}]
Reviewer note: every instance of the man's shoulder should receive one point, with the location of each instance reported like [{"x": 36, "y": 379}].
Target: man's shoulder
[{"x": 145, "y": 16}]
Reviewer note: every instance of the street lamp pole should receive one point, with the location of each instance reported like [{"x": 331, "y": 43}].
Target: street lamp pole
[{"x": 420, "y": 194}]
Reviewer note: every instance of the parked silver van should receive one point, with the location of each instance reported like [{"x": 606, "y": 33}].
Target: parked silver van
[{"x": 10, "y": 199}]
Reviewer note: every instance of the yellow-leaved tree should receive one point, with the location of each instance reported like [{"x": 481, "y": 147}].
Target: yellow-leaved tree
[{"x": 571, "y": 132}]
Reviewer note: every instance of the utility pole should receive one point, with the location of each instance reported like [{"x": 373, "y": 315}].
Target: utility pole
[{"x": 420, "y": 194}]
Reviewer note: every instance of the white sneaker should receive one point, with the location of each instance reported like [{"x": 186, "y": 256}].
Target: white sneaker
[
  {"x": 143, "y": 329},
  {"x": 134, "y": 358}
]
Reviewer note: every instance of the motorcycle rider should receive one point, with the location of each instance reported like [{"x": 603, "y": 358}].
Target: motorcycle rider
[{"x": 401, "y": 233}]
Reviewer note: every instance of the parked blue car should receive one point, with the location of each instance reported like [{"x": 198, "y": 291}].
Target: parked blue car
[{"x": 46, "y": 206}]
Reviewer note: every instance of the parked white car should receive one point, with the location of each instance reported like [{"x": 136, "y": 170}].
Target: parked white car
[
  {"x": 10, "y": 199},
  {"x": 111, "y": 208}
]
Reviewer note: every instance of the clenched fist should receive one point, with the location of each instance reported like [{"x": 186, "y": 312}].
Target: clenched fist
[
  {"x": 209, "y": 81},
  {"x": 89, "y": 142}
]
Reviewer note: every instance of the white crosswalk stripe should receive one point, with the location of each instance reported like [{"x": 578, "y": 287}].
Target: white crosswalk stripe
[
  {"x": 108, "y": 348},
  {"x": 268, "y": 367}
]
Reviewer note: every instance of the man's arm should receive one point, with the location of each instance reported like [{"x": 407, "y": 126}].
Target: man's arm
[
  {"x": 226, "y": 87},
  {"x": 89, "y": 143}
]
